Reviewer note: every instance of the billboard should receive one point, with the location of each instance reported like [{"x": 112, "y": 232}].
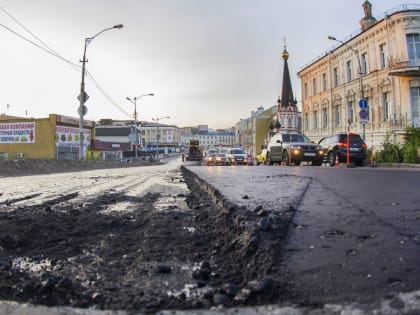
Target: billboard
[
  {"x": 70, "y": 136},
  {"x": 17, "y": 132}
]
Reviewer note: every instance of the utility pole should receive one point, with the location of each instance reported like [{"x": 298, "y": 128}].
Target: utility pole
[{"x": 134, "y": 102}]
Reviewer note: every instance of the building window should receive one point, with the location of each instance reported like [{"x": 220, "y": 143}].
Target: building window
[
  {"x": 413, "y": 42},
  {"x": 305, "y": 89},
  {"x": 325, "y": 117},
  {"x": 315, "y": 125},
  {"x": 324, "y": 82},
  {"x": 348, "y": 70},
  {"x": 382, "y": 55},
  {"x": 306, "y": 123},
  {"x": 335, "y": 71},
  {"x": 385, "y": 106},
  {"x": 337, "y": 115},
  {"x": 314, "y": 86},
  {"x": 364, "y": 64},
  {"x": 350, "y": 112},
  {"x": 415, "y": 105}
]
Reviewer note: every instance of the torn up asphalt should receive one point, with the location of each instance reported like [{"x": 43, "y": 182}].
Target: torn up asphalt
[{"x": 255, "y": 260}]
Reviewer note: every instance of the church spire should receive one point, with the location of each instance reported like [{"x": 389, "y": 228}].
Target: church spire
[{"x": 287, "y": 92}]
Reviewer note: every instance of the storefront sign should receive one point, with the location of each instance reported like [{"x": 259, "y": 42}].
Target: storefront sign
[
  {"x": 169, "y": 136},
  {"x": 18, "y": 132},
  {"x": 70, "y": 136}
]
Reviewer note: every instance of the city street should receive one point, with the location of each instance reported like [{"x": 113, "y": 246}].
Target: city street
[
  {"x": 355, "y": 233},
  {"x": 161, "y": 237}
]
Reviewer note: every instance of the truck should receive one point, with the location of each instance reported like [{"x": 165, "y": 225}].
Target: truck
[{"x": 194, "y": 153}]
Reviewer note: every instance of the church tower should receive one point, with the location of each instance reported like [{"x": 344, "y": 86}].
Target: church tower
[
  {"x": 288, "y": 115},
  {"x": 368, "y": 20}
]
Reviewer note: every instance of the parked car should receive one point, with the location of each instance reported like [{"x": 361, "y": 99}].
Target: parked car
[
  {"x": 293, "y": 148},
  {"x": 236, "y": 156},
  {"x": 262, "y": 157},
  {"x": 220, "y": 159},
  {"x": 335, "y": 146}
]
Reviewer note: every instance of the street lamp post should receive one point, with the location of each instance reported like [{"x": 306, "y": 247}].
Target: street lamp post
[
  {"x": 158, "y": 135},
  {"x": 134, "y": 101},
  {"x": 362, "y": 96},
  {"x": 83, "y": 96}
]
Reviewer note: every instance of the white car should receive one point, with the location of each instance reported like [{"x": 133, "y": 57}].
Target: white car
[{"x": 236, "y": 156}]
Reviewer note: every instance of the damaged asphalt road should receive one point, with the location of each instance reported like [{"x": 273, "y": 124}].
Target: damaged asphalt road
[
  {"x": 148, "y": 239},
  {"x": 135, "y": 239}
]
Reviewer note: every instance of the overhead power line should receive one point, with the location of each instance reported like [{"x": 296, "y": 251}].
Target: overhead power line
[{"x": 46, "y": 48}]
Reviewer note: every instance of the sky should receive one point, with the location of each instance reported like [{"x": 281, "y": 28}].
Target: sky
[{"x": 207, "y": 62}]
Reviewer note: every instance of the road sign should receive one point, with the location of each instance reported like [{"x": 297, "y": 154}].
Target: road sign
[
  {"x": 84, "y": 109},
  {"x": 86, "y": 97},
  {"x": 363, "y": 103},
  {"x": 364, "y": 116}
]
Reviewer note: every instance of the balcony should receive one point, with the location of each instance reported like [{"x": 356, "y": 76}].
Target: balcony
[{"x": 404, "y": 68}]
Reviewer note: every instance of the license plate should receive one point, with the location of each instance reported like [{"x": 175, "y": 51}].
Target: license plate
[
  {"x": 309, "y": 154},
  {"x": 354, "y": 149}
]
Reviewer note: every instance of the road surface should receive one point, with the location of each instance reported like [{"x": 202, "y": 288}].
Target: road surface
[{"x": 289, "y": 239}]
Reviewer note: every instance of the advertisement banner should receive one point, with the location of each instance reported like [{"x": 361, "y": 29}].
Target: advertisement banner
[
  {"x": 18, "y": 132},
  {"x": 169, "y": 136},
  {"x": 69, "y": 136}
]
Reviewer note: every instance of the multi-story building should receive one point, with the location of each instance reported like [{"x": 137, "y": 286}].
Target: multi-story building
[
  {"x": 150, "y": 135},
  {"x": 369, "y": 83},
  {"x": 251, "y": 132},
  {"x": 209, "y": 138},
  {"x": 167, "y": 137}
]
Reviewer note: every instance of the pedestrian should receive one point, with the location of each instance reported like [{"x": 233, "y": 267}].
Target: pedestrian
[{"x": 183, "y": 156}]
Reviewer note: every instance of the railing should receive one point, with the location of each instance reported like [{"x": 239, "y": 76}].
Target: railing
[{"x": 395, "y": 64}]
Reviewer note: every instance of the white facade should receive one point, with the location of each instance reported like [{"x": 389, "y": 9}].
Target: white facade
[{"x": 210, "y": 139}]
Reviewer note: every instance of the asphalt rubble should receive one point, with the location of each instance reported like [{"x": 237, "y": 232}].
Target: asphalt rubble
[{"x": 236, "y": 264}]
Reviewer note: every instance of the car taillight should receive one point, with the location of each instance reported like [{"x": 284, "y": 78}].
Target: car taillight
[
  {"x": 364, "y": 146},
  {"x": 342, "y": 144}
]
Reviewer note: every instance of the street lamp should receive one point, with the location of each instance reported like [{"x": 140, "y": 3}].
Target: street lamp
[
  {"x": 158, "y": 135},
  {"x": 83, "y": 96},
  {"x": 134, "y": 101},
  {"x": 362, "y": 96}
]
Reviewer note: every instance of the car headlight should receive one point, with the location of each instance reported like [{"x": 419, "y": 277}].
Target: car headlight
[{"x": 296, "y": 151}]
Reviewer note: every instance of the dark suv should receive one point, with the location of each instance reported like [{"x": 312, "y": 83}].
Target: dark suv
[{"x": 336, "y": 146}]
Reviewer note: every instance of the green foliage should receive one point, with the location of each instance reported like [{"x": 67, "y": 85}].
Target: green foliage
[
  {"x": 391, "y": 153},
  {"x": 395, "y": 153},
  {"x": 412, "y": 143}
]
